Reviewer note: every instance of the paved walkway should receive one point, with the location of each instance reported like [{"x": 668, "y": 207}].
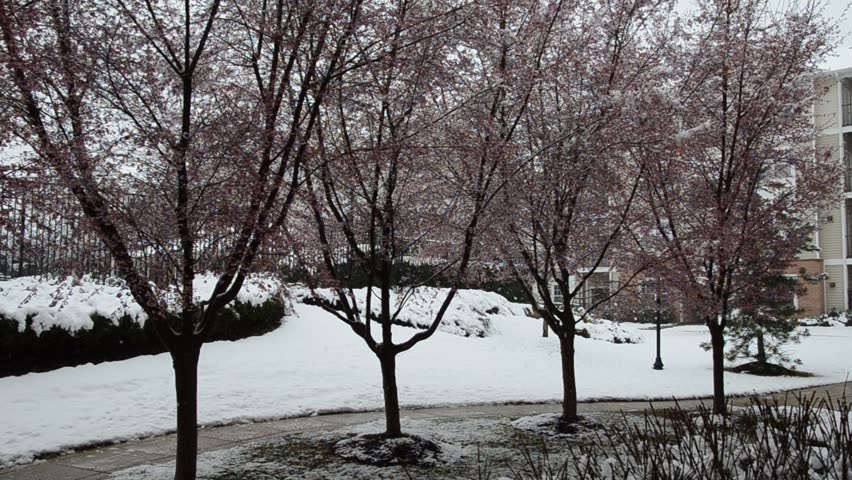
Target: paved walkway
[{"x": 98, "y": 463}]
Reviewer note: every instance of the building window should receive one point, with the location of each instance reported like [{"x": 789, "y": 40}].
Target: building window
[
  {"x": 596, "y": 290},
  {"x": 557, "y": 294}
]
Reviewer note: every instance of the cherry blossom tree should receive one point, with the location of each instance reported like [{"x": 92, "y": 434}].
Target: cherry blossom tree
[
  {"x": 174, "y": 125},
  {"x": 374, "y": 190},
  {"x": 410, "y": 154},
  {"x": 735, "y": 193},
  {"x": 572, "y": 208}
]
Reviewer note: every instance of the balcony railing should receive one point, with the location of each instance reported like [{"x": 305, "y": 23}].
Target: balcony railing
[
  {"x": 847, "y": 169},
  {"x": 847, "y": 179},
  {"x": 847, "y": 114}
]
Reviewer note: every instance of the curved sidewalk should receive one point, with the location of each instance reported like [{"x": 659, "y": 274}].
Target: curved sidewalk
[{"x": 97, "y": 463}]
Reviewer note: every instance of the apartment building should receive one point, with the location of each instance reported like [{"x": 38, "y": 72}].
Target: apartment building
[
  {"x": 833, "y": 118},
  {"x": 831, "y": 262},
  {"x": 597, "y": 288}
]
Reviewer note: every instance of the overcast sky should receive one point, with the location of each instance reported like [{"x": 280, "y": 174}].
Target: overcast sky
[
  {"x": 843, "y": 55},
  {"x": 834, "y": 9}
]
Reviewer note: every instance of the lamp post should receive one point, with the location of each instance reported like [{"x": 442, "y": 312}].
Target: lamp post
[{"x": 658, "y": 363}]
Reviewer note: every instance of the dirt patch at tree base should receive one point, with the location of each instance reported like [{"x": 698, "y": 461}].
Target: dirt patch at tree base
[
  {"x": 766, "y": 369},
  {"x": 555, "y": 424},
  {"x": 381, "y": 451}
]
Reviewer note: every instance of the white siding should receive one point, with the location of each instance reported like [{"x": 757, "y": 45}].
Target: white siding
[
  {"x": 834, "y": 296},
  {"x": 826, "y": 108},
  {"x": 830, "y": 145},
  {"x": 831, "y": 234}
]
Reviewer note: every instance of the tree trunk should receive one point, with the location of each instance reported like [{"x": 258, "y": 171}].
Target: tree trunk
[
  {"x": 761, "y": 348},
  {"x": 569, "y": 381},
  {"x": 717, "y": 341},
  {"x": 392, "y": 425},
  {"x": 545, "y": 330},
  {"x": 185, "y": 362}
]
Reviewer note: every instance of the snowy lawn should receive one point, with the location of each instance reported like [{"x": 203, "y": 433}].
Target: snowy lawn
[{"x": 314, "y": 362}]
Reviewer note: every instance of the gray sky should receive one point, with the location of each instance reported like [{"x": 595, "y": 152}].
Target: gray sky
[
  {"x": 834, "y": 10},
  {"x": 843, "y": 54}
]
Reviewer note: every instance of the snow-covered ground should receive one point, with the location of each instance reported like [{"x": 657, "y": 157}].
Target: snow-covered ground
[{"x": 313, "y": 362}]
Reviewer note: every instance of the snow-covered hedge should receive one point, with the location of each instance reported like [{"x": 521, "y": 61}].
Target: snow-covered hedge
[
  {"x": 47, "y": 323},
  {"x": 65, "y": 303},
  {"x": 69, "y": 303},
  {"x": 836, "y": 319},
  {"x": 50, "y": 323},
  {"x": 468, "y": 315},
  {"x": 608, "y": 331}
]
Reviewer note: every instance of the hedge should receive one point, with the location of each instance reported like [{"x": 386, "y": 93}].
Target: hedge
[
  {"x": 404, "y": 274},
  {"x": 25, "y": 351}
]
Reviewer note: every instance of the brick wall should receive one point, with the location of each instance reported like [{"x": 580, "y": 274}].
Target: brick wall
[{"x": 812, "y": 302}]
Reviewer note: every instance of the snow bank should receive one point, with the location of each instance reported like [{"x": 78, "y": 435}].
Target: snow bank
[
  {"x": 69, "y": 303},
  {"x": 826, "y": 320},
  {"x": 608, "y": 331},
  {"x": 470, "y": 314}
]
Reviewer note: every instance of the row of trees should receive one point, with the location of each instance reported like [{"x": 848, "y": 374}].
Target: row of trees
[{"x": 550, "y": 137}]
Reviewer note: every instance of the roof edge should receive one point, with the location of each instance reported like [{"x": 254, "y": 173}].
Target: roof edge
[{"x": 839, "y": 72}]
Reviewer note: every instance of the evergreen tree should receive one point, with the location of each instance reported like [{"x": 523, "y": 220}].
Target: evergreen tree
[{"x": 766, "y": 323}]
